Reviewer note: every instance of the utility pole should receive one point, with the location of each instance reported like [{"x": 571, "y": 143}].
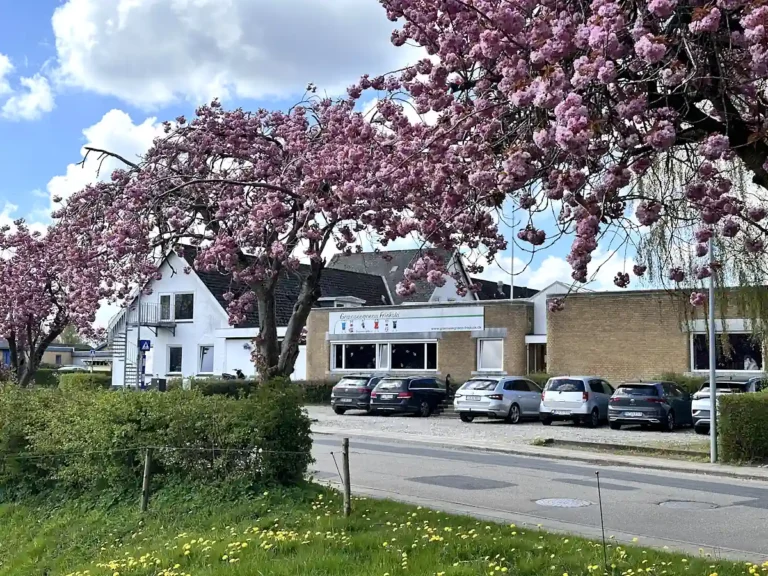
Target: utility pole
[
  {"x": 712, "y": 359},
  {"x": 512, "y": 263},
  {"x": 138, "y": 339}
]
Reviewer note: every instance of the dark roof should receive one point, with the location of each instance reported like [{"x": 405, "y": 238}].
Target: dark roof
[
  {"x": 490, "y": 290},
  {"x": 390, "y": 264},
  {"x": 333, "y": 283}
]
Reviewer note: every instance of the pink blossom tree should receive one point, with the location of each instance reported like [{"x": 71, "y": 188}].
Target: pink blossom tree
[
  {"x": 256, "y": 192},
  {"x": 47, "y": 283},
  {"x": 646, "y": 118}
]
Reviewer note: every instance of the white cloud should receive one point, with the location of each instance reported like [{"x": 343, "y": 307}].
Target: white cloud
[
  {"x": 115, "y": 132},
  {"x": 152, "y": 52},
  {"x": 32, "y": 103},
  {"x": 5, "y": 69}
]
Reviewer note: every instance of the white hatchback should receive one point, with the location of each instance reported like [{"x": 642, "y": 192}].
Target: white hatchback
[{"x": 576, "y": 398}]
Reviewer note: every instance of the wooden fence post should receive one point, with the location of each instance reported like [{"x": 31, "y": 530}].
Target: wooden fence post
[
  {"x": 145, "y": 481},
  {"x": 345, "y": 470}
]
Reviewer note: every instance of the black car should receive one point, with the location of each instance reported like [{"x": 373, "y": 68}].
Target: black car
[
  {"x": 420, "y": 395},
  {"x": 661, "y": 404},
  {"x": 353, "y": 392}
]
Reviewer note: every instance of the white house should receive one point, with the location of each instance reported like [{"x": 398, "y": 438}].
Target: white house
[{"x": 187, "y": 327}]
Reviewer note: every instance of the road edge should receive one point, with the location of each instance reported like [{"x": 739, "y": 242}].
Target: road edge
[{"x": 597, "y": 459}]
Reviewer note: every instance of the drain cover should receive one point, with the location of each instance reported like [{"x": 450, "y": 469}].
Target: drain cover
[
  {"x": 687, "y": 505},
  {"x": 564, "y": 503}
]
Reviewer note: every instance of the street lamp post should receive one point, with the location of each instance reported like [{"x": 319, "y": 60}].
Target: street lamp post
[{"x": 712, "y": 359}]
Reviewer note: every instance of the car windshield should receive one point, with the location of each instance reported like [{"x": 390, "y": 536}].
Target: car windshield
[
  {"x": 735, "y": 387},
  {"x": 565, "y": 385},
  {"x": 637, "y": 390},
  {"x": 391, "y": 385},
  {"x": 480, "y": 385},
  {"x": 352, "y": 382}
]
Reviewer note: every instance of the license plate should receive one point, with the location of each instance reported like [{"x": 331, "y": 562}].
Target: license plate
[
  {"x": 633, "y": 414},
  {"x": 473, "y": 398},
  {"x": 562, "y": 412},
  {"x": 387, "y": 396},
  {"x": 347, "y": 400}
]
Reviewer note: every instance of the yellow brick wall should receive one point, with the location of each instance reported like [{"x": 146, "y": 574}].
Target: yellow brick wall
[{"x": 618, "y": 336}]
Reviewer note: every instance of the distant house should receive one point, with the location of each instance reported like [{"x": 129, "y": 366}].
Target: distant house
[
  {"x": 66, "y": 355},
  {"x": 186, "y": 324},
  {"x": 391, "y": 266}
]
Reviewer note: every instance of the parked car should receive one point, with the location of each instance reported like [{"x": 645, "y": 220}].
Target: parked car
[
  {"x": 700, "y": 407},
  {"x": 577, "y": 398},
  {"x": 661, "y": 404},
  {"x": 353, "y": 392},
  {"x": 509, "y": 397},
  {"x": 420, "y": 395}
]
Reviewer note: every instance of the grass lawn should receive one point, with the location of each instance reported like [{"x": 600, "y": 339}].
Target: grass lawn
[{"x": 206, "y": 532}]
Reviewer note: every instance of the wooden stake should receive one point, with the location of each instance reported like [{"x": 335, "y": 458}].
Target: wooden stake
[
  {"x": 345, "y": 470},
  {"x": 145, "y": 481}
]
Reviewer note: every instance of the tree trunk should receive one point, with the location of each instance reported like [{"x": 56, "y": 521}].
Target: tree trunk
[
  {"x": 267, "y": 344},
  {"x": 25, "y": 362},
  {"x": 307, "y": 298}
]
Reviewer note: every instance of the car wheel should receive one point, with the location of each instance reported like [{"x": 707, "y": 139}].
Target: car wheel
[
  {"x": 669, "y": 424},
  {"x": 339, "y": 411},
  {"x": 425, "y": 409},
  {"x": 615, "y": 426},
  {"x": 466, "y": 417},
  {"x": 594, "y": 418},
  {"x": 546, "y": 421},
  {"x": 514, "y": 414}
]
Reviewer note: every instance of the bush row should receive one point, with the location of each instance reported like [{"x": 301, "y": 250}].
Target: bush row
[
  {"x": 83, "y": 437},
  {"x": 314, "y": 392},
  {"x": 743, "y": 427}
]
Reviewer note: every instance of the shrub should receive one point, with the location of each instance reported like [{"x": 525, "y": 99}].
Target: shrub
[
  {"x": 539, "y": 378},
  {"x": 46, "y": 377},
  {"x": 229, "y": 388},
  {"x": 743, "y": 427},
  {"x": 690, "y": 384},
  {"x": 316, "y": 392},
  {"x": 82, "y": 438},
  {"x": 85, "y": 381}
]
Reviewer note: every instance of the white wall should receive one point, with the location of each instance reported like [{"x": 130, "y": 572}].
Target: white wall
[
  {"x": 209, "y": 327},
  {"x": 447, "y": 292},
  {"x": 540, "y": 305}
]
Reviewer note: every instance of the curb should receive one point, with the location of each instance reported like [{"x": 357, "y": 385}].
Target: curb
[
  {"x": 650, "y": 451},
  {"x": 601, "y": 459}
]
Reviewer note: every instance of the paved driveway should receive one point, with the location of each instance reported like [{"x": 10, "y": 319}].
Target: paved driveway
[{"x": 498, "y": 431}]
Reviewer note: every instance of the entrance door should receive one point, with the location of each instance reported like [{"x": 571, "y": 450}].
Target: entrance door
[{"x": 537, "y": 358}]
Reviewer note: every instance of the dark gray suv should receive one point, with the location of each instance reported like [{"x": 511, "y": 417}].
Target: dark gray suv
[
  {"x": 661, "y": 404},
  {"x": 353, "y": 392}
]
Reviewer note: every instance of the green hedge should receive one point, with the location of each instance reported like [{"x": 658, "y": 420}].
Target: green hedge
[
  {"x": 539, "y": 378},
  {"x": 46, "y": 377},
  {"x": 315, "y": 392},
  {"x": 80, "y": 380},
  {"x": 690, "y": 384},
  {"x": 80, "y": 439},
  {"x": 743, "y": 427}
]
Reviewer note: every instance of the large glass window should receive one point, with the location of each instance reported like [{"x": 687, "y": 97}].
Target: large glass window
[
  {"x": 490, "y": 354},
  {"x": 174, "y": 360},
  {"x": 385, "y": 356},
  {"x": 742, "y": 352},
  {"x": 359, "y": 356},
  {"x": 206, "y": 359},
  {"x": 184, "y": 306}
]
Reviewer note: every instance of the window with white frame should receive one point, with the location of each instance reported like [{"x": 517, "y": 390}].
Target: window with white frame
[
  {"x": 419, "y": 356},
  {"x": 742, "y": 351},
  {"x": 206, "y": 360},
  {"x": 174, "y": 359},
  {"x": 183, "y": 307},
  {"x": 165, "y": 307},
  {"x": 490, "y": 354}
]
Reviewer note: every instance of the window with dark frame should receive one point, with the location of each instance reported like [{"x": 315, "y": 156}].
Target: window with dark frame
[
  {"x": 359, "y": 356},
  {"x": 745, "y": 352},
  {"x": 165, "y": 307},
  {"x": 391, "y": 356}
]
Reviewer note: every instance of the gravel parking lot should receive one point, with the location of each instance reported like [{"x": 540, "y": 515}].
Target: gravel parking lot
[{"x": 498, "y": 431}]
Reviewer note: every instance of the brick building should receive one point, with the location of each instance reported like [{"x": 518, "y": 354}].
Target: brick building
[{"x": 617, "y": 335}]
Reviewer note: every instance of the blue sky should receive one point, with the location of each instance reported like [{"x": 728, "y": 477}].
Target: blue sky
[{"x": 106, "y": 72}]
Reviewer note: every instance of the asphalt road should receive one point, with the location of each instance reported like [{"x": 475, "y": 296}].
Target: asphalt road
[{"x": 724, "y": 517}]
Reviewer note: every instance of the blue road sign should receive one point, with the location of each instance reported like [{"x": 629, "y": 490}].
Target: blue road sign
[
  {"x": 93, "y": 352},
  {"x": 145, "y": 345}
]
